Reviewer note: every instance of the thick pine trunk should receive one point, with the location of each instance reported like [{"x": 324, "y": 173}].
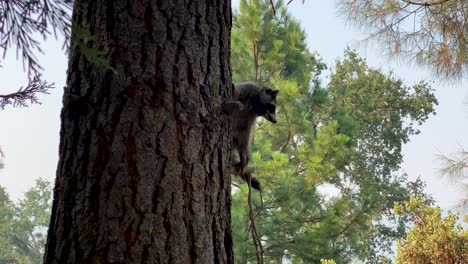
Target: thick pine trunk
[{"x": 143, "y": 171}]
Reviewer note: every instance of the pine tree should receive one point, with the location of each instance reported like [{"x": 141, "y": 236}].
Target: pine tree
[
  {"x": 429, "y": 32},
  {"x": 143, "y": 173}
]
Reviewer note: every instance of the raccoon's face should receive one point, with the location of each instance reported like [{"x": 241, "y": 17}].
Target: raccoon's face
[{"x": 267, "y": 107}]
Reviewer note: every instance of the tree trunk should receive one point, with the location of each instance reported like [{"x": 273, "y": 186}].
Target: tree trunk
[{"x": 143, "y": 175}]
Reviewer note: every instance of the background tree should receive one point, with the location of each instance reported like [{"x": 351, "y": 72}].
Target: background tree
[
  {"x": 7, "y": 213},
  {"x": 430, "y": 32},
  {"x": 143, "y": 173},
  {"x": 23, "y": 225},
  {"x": 385, "y": 112},
  {"x": 330, "y": 178},
  {"x": 433, "y": 238}
]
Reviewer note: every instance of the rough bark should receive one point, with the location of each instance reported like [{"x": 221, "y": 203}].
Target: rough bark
[{"x": 143, "y": 171}]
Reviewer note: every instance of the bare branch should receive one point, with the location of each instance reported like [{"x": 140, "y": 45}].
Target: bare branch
[
  {"x": 290, "y": 1},
  {"x": 425, "y": 3},
  {"x": 2, "y": 156},
  {"x": 253, "y": 229},
  {"x": 273, "y": 7},
  {"x": 433, "y": 33}
]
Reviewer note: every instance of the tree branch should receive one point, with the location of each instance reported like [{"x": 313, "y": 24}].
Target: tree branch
[
  {"x": 289, "y": 129},
  {"x": 253, "y": 229},
  {"x": 273, "y": 7},
  {"x": 427, "y": 4},
  {"x": 21, "y": 22},
  {"x": 29, "y": 93},
  {"x": 2, "y": 156}
]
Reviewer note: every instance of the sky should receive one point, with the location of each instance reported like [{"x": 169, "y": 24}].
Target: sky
[{"x": 29, "y": 137}]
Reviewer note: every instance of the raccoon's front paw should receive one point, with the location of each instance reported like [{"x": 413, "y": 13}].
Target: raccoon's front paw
[{"x": 238, "y": 168}]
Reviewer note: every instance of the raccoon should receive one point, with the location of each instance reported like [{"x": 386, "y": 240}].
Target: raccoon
[{"x": 252, "y": 99}]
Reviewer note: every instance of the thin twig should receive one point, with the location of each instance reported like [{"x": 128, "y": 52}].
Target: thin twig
[
  {"x": 289, "y": 129},
  {"x": 425, "y": 3},
  {"x": 28, "y": 93},
  {"x": 253, "y": 228},
  {"x": 273, "y": 7}
]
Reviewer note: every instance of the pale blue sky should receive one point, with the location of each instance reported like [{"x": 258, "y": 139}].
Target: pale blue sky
[{"x": 29, "y": 137}]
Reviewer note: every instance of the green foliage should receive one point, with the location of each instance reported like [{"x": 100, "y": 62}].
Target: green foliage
[
  {"x": 329, "y": 166},
  {"x": 269, "y": 47},
  {"x": 383, "y": 108},
  {"x": 83, "y": 40},
  {"x": 7, "y": 211},
  {"x": 23, "y": 225},
  {"x": 433, "y": 238}
]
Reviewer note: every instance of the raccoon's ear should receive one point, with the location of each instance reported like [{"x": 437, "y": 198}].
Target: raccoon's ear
[{"x": 274, "y": 93}]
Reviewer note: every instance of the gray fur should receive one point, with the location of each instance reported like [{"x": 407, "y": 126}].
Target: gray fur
[{"x": 252, "y": 99}]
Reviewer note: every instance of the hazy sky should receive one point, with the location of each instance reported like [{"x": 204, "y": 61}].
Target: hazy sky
[{"x": 30, "y": 136}]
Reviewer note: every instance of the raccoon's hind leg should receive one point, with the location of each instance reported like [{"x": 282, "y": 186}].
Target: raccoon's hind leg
[
  {"x": 238, "y": 159},
  {"x": 245, "y": 173},
  {"x": 239, "y": 167}
]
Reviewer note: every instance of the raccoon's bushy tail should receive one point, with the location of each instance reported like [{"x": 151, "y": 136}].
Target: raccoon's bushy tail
[
  {"x": 253, "y": 181},
  {"x": 245, "y": 173},
  {"x": 255, "y": 184}
]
